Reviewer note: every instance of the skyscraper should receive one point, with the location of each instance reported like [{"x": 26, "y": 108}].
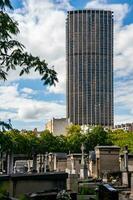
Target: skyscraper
[{"x": 89, "y": 51}]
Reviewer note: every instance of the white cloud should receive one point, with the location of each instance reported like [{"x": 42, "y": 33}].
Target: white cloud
[
  {"x": 42, "y": 31},
  {"x": 61, "y": 85},
  {"x": 28, "y": 91},
  {"x": 122, "y": 119},
  {"x": 64, "y": 4},
  {"x": 18, "y": 107},
  {"x": 124, "y": 95},
  {"x": 123, "y": 51},
  {"x": 120, "y": 10}
]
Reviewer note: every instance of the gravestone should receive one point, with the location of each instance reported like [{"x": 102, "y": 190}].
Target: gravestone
[
  {"x": 83, "y": 168},
  {"x": 73, "y": 171},
  {"x": 125, "y": 180},
  {"x": 131, "y": 196},
  {"x": 55, "y": 162},
  {"x": 107, "y": 192},
  {"x": 46, "y": 166},
  {"x": 40, "y": 163},
  {"x": 105, "y": 177},
  {"x": 10, "y": 163}
]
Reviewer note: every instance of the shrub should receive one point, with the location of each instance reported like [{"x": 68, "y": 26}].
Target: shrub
[{"x": 63, "y": 195}]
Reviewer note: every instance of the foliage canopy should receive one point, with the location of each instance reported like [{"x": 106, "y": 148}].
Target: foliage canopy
[
  {"x": 29, "y": 143},
  {"x": 13, "y": 54}
]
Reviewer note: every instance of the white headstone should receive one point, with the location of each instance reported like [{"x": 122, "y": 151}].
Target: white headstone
[
  {"x": 72, "y": 165},
  {"x": 55, "y": 164}
]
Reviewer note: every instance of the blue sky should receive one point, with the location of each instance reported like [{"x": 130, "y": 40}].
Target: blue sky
[{"x": 25, "y": 100}]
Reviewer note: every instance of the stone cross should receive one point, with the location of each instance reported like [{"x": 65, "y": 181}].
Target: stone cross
[
  {"x": 82, "y": 158},
  {"x": 83, "y": 168}
]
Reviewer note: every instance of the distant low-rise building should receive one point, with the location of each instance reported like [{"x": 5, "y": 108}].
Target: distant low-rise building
[
  {"x": 126, "y": 127},
  {"x": 57, "y": 126}
]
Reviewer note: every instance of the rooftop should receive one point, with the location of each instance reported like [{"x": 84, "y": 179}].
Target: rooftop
[
  {"x": 107, "y": 147},
  {"x": 88, "y": 10}
]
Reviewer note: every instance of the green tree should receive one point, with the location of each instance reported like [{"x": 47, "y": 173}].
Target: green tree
[
  {"x": 122, "y": 138},
  {"x": 73, "y": 129},
  {"x": 13, "y": 54},
  {"x": 18, "y": 144},
  {"x": 62, "y": 144},
  {"x": 5, "y": 142},
  {"x": 48, "y": 142},
  {"x": 74, "y": 138},
  {"x": 33, "y": 143},
  {"x": 98, "y": 136}
]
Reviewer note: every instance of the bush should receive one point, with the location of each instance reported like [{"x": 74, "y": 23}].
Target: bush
[
  {"x": 63, "y": 195},
  {"x": 87, "y": 191}
]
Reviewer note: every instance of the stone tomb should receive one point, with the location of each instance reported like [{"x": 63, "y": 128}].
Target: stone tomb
[
  {"x": 107, "y": 160},
  {"x": 20, "y": 184}
]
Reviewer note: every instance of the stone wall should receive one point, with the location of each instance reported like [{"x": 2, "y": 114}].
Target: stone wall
[
  {"x": 18, "y": 185},
  {"x": 57, "y": 126},
  {"x": 130, "y": 162},
  {"x": 61, "y": 165}
]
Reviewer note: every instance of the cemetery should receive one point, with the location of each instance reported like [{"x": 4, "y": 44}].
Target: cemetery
[
  {"x": 103, "y": 174},
  {"x": 64, "y": 163}
]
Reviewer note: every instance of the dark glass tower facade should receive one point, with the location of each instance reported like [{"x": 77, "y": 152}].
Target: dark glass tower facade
[{"x": 89, "y": 53}]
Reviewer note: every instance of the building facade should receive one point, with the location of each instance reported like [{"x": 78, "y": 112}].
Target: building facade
[
  {"x": 57, "y": 126},
  {"x": 125, "y": 127},
  {"x": 89, "y": 54}
]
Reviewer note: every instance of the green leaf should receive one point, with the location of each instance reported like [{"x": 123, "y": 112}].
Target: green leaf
[
  {"x": 22, "y": 72},
  {"x": 5, "y": 3}
]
